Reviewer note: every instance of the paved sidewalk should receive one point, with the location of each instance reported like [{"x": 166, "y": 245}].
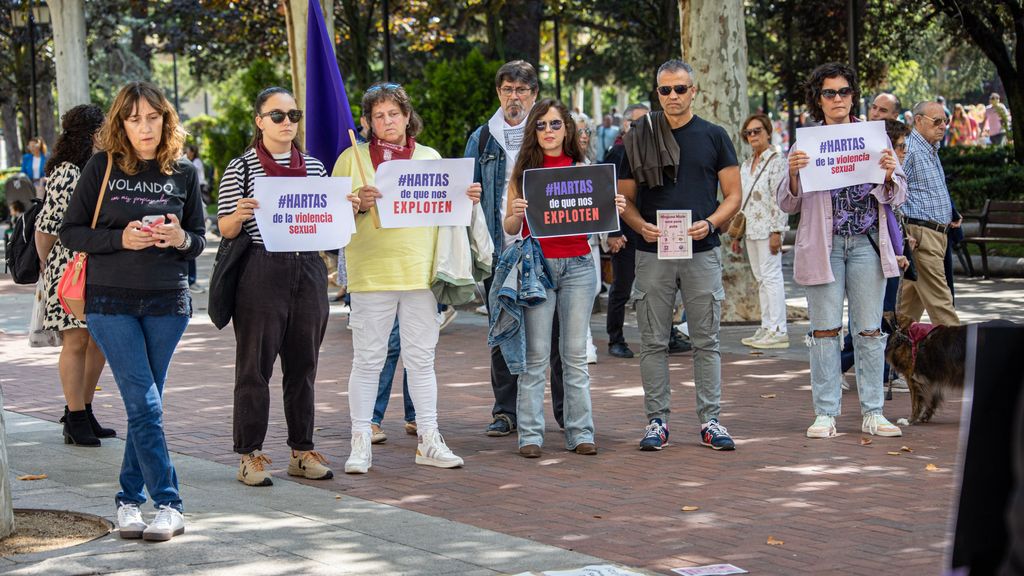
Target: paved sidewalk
[{"x": 840, "y": 507}]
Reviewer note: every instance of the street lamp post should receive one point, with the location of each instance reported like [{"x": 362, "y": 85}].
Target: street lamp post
[{"x": 33, "y": 15}]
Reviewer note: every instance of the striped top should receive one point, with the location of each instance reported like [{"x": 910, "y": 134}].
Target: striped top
[{"x": 231, "y": 183}]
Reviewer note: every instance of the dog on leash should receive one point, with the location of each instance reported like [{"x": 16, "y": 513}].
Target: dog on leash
[{"x": 930, "y": 358}]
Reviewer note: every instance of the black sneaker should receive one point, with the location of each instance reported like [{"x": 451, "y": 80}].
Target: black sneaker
[
  {"x": 620, "y": 350},
  {"x": 501, "y": 426},
  {"x": 678, "y": 343},
  {"x": 655, "y": 435},
  {"x": 715, "y": 436}
]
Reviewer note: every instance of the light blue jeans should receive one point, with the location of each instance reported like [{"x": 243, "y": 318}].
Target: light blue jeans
[
  {"x": 573, "y": 300},
  {"x": 858, "y": 277}
]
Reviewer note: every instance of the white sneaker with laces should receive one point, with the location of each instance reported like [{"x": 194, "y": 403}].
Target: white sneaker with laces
[
  {"x": 823, "y": 427},
  {"x": 361, "y": 458},
  {"x": 432, "y": 451},
  {"x": 445, "y": 317},
  {"x": 772, "y": 340},
  {"x": 129, "y": 521},
  {"x": 900, "y": 385},
  {"x": 167, "y": 524},
  {"x": 749, "y": 340},
  {"x": 877, "y": 425}
]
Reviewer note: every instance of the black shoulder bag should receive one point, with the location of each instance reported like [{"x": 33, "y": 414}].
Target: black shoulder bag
[{"x": 227, "y": 268}]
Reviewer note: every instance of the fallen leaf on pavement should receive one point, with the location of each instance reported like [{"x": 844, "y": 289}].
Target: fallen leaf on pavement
[
  {"x": 98, "y": 388},
  {"x": 690, "y": 508},
  {"x": 893, "y": 453},
  {"x": 33, "y": 477},
  {"x": 773, "y": 541},
  {"x": 905, "y": 449},
  {"x": 596, "y": 516},
  {"x": 931, "y": 468},
  {"x": 756, "y": 353},
  {"x": 864, "y": 440},
  {"x": 767, "y": 395},
  {"x": 337, "y": 497}
]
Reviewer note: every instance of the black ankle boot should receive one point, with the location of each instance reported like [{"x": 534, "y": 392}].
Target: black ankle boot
[
  {"x": 97, "y": 430},
  {"x": 77, "y": 430}
]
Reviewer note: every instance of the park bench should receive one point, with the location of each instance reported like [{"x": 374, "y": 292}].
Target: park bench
[{"x": 999, "y": 222}]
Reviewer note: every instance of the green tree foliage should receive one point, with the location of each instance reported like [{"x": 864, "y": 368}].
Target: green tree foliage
[
  {"x": 453, "y": 98},
  {"x": 975, "y": 174}
]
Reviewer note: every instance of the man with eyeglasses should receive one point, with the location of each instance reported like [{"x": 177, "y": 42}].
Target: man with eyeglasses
[
  {"x": 885, "y": 106},
  {"x": 929, "y": 215},
  {"x": 677, "y": 161},
  {"x": 494, "y": 147}
]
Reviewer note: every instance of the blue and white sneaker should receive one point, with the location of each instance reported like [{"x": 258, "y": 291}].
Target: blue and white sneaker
[
  {"x": 655, "y": 435},
  {"x": 716, "y": 436}
]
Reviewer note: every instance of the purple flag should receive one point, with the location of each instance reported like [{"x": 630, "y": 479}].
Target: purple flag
[{"x": 328, "y": 116}]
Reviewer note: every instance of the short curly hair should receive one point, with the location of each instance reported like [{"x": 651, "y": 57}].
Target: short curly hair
[
  {"x": 74, "y": 144},
  {"x": 817, "y": 79},
  {"x": 383, "y": 91}
]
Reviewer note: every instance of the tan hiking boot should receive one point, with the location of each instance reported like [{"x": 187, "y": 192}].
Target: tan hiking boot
[
  {"x": 252, "y": 471},
  {"x": 309, "y": 464}
]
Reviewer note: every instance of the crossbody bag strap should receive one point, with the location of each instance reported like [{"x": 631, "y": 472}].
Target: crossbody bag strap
[
  {"x": 756, "y": 178},
  {"x": 103, "y": 190}
]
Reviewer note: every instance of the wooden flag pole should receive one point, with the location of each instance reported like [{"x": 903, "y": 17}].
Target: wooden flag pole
[{"x": 362, "y": 176}]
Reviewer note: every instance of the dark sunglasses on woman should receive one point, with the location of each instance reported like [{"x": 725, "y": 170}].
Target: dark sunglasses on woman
[
  {"x": 678, "y": 88},
  {"x": 752, "y": 132},
  {"x": 830, "y": 94},
  {"x": 556, "y": 125},
  {"x": 277, "y": 116}
]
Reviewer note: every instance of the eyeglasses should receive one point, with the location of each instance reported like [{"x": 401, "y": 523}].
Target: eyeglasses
[
  {"x": 555, "y": 125},
  {"x": 586, "y": 131},
  {"x": 278, "y": 116},
  {"x": 752, "y": 132},
  {"x": 520, "y": 91},
  {"x": 901, "y": 147},
  {"x": 389, "y": 87},
  {"x": 678, "y": 89},
  {"x": 936, "y": 122},
  {"x": 830, "y": 94}
]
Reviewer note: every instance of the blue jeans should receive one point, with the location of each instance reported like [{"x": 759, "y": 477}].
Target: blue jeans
[
  {"x": 573, "y": 300},
  {"x": 858, "y": 277},
  {"x": 387, "y": 375},
  {"x": 138, "y": 351}
]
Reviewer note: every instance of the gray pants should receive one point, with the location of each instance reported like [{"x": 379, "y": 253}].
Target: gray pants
[{"x": 700, "y": 281}]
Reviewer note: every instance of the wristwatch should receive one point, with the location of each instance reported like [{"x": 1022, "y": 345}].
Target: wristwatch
[
  {"x": 186, "y": 243},
  {"x": 711, "y": 227}
]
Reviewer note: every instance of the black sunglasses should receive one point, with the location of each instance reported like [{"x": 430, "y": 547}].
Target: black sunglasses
[
  {"x": 678, "y": 88},
  {"x": 277, "y": 116},
  {"x": 752, "y": 132},
  {"x": 830, "y": 94},
  {"x": 555, "y": 125}
]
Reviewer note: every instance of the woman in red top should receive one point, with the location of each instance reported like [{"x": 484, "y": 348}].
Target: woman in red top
[{"x": 550, "y": 142}]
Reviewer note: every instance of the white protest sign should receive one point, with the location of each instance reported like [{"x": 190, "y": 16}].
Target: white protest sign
[
  {"x": 424, "y": 192},
  {"x": 304, "y": 214},
  {"x": 842, "y": 155}
]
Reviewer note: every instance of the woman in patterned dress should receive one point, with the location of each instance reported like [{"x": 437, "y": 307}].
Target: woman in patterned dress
[{"x": 81, "y": 361}]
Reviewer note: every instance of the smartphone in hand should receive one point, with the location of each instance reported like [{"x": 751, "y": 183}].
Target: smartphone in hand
[{"x": 148, "y": 222}]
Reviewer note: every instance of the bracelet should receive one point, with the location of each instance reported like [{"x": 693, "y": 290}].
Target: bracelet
[
  {"x": 711, "y": 227},
  {"x": 185, "y": 244}
]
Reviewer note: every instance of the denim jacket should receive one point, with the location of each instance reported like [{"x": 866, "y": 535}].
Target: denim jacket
[
  {"x": 521, "y": 280},
  {"x": 489, "y": 171}
]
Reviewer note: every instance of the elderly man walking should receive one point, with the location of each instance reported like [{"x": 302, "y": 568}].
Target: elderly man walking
[{"x": 929, "y": 215}]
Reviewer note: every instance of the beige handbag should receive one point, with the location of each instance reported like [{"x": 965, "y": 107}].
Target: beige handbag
[{"x": 738, "y": 224}]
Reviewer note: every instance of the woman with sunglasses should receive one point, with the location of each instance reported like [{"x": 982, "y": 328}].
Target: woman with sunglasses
[
  {"x": 281, "y": 302},
  {"x": 843, "y": 250},
  {"x": 552, "y": 143},
  {"x": 389, "y": 274},
  {"x": 766, "y": 223}
]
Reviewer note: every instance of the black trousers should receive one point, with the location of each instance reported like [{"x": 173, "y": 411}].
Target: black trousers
[
  {"x": 624, "y": 271},
  {"x": 280, "y": 310},
  {"x": 506, "y": 385}
]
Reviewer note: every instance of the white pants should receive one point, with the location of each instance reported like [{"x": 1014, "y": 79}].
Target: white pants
[
  {"x": 373, "y": 316},
  {"x": 767, "y": 270}
]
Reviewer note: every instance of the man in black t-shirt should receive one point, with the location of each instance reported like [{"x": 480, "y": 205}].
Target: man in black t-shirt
[{"x": 676, "y": 160}]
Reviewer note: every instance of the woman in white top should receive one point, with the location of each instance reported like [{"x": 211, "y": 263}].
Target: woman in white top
[{"x": 766, "y": 223}]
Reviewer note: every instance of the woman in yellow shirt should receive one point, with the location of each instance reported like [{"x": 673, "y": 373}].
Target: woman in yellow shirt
[{"x": 389, "y": 273}]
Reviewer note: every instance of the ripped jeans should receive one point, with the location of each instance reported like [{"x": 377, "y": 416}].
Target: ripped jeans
[{"x": 858, "y": 277}]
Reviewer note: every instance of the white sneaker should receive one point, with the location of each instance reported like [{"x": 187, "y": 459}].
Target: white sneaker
[
  {"x": 445, "y": 317},
  {"x": 823, "y": 427},
  {"x": 361, "y": 458},
  {"x": 749, "y": 340},
  {"x": 129, "y": 521},
  {"x": 900, "y": 385},
  {"x": 167, "y": 524},
  {"x": 772, "y": 341},
  {"x": 432, "y": 451},
  {"x": 481, "y": 310},
  {"x": 592, "y": 356},
  {"x": 877, "y": 425}
]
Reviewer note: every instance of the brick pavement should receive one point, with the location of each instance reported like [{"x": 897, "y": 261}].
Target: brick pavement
[{"x": 838, "y": 506}]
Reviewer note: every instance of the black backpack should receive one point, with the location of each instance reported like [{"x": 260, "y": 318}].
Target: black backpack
[{"x": 21, "y": 259}]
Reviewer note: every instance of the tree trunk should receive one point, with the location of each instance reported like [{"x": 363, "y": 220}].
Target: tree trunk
[
  {"x": 714, "y": 42},
  {"x": 6, "y": 504},
  {"x": 140, "y": 13},
  {"x": 521, "y": 33},
  {"x": 47, "y": 116},
  {"x": 9, "y": 119},
  {"x": 70, "y": 54}
]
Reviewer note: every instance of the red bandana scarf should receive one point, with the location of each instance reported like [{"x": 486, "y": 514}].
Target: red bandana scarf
[
  {"x": 381, "y": 151},
  {"x": 296, "y": 165}
]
